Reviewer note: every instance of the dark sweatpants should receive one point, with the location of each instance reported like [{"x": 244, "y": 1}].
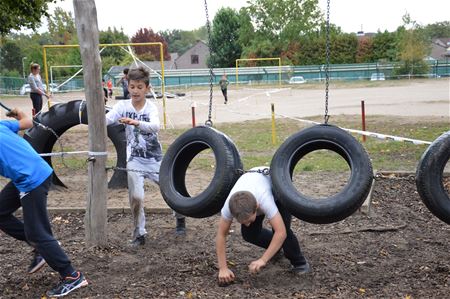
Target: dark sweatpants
[
  {"x": 35, "y": 228},
  {"x": 224, "y": 92},
  {"x": 259, "y": 236},
  {"x": 36, "y": 98}
]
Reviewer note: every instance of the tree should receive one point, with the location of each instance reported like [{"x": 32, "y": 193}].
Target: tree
[
  {"x": 11, "y": 57},
  {"x": 225, "y": 38},
  {"x": 437, "y": 30},
  {"x": 285, "y": 20},
  {"x": 413, "y": 47},
  {"x": 112, "y": 55},
  {"x": 18, "y": 14},
  {"x": 384, "y": 46},
  {"x": 61, "y": 26},
  {"x": 145, "y": 35},
  {"x": 364, "y": 50}
]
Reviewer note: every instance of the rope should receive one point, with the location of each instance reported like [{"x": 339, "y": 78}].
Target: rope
[
  {"x": 327, "y": 63},
  {"x": 264, "y": 171},
  {"x": 211, "y": 73},
  {"x": 92, "y": 154},
  {"x": 131, "y": 170}
]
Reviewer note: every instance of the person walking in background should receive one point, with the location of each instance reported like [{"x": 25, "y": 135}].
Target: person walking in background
[
  {"x": 223, "y": 86},
  {"x": 37, "y": 88},
  {"x": 124, "y": 82}
]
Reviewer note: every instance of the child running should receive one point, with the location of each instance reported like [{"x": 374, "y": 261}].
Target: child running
[{"x": 144, "y": 151}]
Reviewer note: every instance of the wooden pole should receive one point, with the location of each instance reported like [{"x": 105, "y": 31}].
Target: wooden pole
[
  {"x": 193, "y": 105},
  {"x": 96, "y": 212}
]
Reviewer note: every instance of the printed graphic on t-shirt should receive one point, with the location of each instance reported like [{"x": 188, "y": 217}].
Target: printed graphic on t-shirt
[{"x": 142, "y": 144}]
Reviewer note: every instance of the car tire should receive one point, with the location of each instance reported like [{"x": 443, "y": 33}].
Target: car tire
[
  {"x": 333, "y": 208},
  {"x": 176, "y": 161},
  {"x": 429, "y": 177}
]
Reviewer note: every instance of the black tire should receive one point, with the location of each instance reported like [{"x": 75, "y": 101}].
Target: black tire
[
  {"x": 64, "y": 116},
  {"x": 333, "y": 208},
  {"x": 429, "y": 175},
  {"x": 176, "y": 161}
]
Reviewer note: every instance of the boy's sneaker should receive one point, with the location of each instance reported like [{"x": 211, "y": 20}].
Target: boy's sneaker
[
  {"x": 68, "y": 284},
  {"x": 181, "y": 226},
  {"x": 302, "y": 269},
  {"x": 37, "y": 263},
  {"x": 138, "y": 241}
]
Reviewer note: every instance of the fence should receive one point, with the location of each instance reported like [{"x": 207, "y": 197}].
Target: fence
[{"x": 256, "y": 75}]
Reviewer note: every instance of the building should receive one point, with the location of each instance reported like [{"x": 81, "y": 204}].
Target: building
[
  {"x": 194, "y": 58},
  {"x": 440, "y": 49}
]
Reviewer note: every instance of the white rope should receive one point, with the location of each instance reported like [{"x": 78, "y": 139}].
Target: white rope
[
  {"x": 143, "y": 64},
  {"x": 74, "y": 153}
]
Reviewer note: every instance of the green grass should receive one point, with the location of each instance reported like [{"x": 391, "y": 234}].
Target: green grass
[{"x": 254, "y": 142}]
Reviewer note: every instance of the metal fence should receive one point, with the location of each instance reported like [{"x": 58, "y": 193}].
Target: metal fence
[{"x": 256, "y": 75}]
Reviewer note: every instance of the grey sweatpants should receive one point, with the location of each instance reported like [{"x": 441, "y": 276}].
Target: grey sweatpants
[{"x": 136, "y": 191}]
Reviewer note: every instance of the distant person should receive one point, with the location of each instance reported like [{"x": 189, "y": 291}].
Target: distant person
[
  {"x": 124, "y": 82},
  {"x": 250, "y": 201},
  {"x": 110, "y": 88},
  {"x": 144, "y": 151},
  {"x": 36, "y": 87},
  {"x": 30, "y": 181},
  {"x": 105, "y": 91},
  {"x": 223, "y": 86}
]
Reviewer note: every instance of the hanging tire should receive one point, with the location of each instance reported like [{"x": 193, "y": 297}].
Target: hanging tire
[
  {"x": 429, "y": 175},
  {"x": 337, "y": 206},
  {"x": 64, "y": 116},
  {"x": 174, "y": 165}
]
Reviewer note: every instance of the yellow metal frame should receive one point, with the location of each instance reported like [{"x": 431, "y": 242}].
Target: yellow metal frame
[
  {"x": 258, "y": 59},
  {"x": 161, "y": 51}
]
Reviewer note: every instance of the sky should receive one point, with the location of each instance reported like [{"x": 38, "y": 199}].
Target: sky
[{"x": 350, "y": 15}]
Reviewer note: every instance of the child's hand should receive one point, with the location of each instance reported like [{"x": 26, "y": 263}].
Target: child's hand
[
  {"x": 129, "y": 121},
  {"x": 226, "y": 276},
  {"x": 256, "y": 266}
]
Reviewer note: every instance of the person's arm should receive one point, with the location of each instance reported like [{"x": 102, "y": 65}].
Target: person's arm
[
  {"x": 25, "y": 122},
  {"x": 151, "y": 126},
  {"x": 225, "y": 274},
  {"x": 113, "y": 115},
  {"x": 277, "y": 241}
]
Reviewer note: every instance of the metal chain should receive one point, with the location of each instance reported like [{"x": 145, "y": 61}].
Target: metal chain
[
  {"x": 327, "y": 63},
  {"x": 264, "y": 171},
  {"x": 409, "y": 177},
  {"x": 131, "y": 170},
  {"x": 57, "y": 139},
  {"x": 211, "y": 73}
]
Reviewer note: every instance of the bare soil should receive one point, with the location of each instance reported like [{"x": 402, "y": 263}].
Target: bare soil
[{"x": 399, "y": 250}]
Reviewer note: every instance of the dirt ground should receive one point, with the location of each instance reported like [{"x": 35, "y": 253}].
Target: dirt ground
[{"x": 399, "y": 251}]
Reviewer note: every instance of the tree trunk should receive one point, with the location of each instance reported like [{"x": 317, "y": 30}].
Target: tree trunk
[{"x": 96, "y": 211}]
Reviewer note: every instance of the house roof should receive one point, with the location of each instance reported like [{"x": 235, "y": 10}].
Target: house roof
[{"x": 440, "y": 48}]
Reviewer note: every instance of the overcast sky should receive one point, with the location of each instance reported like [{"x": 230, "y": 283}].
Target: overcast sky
[{"x": 350, "y": 15}]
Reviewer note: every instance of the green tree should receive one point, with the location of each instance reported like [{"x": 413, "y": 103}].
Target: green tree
[
  {"x": 285, "y": 20},
  {"x": 225, "y": 38},
  {"x": 11, "y": 57},
  {"x": 438, "y": 29},
  {"x": 364, "y": 50},
  {"x": 18, "y": 14},
  {"x": 112, "y": 55},
  {"x": 384, "y": 46},
  {"x": 61, "y": 26},
  {"x": 413, "y": 47}
]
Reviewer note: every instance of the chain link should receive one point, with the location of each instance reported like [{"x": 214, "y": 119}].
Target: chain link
[
  {"x": 131, "y": 170},
  {"x": 327, "y": 63},
  {"x": 264, "y": 171},
  {"x": 211, "y": 72},
  {"x": 409, "y": 177}
]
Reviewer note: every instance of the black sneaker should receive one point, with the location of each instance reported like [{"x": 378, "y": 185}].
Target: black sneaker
[
  {"x": 181, "y": 226},
  {"x": 138, "y": 241},
  {"x": 302, "y": 269},
  {"x": 68, "y": 284},
  {"x": 37, "y": 263}
]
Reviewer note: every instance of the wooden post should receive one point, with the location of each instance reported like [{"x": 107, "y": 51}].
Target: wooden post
[
  {"x": 274, "y": 134},
  {"x": 193, "y": 105},
  {"x": 96, "y": 211},
  {"x": 363, "y": 117}
]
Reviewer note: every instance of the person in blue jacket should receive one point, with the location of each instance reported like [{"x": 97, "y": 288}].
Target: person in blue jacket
[{"x": 30, "y": 179}]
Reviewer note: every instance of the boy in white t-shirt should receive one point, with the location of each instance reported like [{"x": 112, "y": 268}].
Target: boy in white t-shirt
[
  {"x": 144, "y": 151},
  {"x": 250, "y": 201}
]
